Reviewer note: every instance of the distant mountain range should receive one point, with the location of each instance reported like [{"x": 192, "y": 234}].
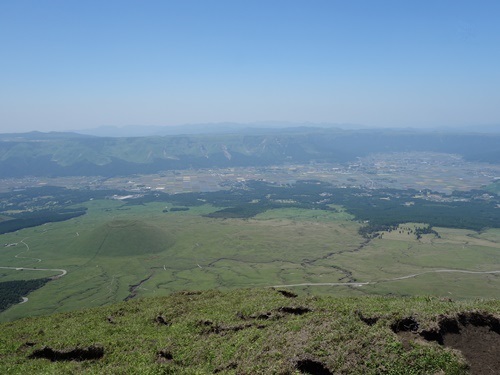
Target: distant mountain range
[
  {"x": 255, "y": 127},
  {"x": 207, "y": 128},
  {"x": 72, "y": 154}
]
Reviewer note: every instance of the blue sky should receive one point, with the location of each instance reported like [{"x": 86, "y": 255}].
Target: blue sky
[{"x": 81, "y": 64}]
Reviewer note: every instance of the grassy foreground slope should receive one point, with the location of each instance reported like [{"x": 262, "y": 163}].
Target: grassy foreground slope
[{"x": 259, "y": 331}]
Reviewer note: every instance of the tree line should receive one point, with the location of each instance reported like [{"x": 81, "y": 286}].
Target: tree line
[{"x": 12, "y": 291}]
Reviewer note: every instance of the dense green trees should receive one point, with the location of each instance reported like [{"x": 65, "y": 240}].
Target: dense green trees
[
  {"x": 12, "y": 291},
  {"x": 379, "y": 209},
  {"x": 33, "y": 219}
]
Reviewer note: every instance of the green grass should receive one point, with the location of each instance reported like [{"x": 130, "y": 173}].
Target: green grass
[
  {"x": 114, "y": 247},
  {"x": 221, "y": 332},
  {"x": 125, "y": 237}
]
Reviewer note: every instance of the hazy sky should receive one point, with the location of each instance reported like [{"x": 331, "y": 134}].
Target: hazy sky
[{"x": 73, "y": 64}]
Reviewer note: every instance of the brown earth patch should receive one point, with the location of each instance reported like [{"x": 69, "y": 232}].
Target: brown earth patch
[
  {"x": 408, "y": 324},
  {"x": 312, "y": 367},
  {"x": 294, "y": 310},
  {"x": 368, "y": 320},
  {"x": 161, "y": 320},
  {"x": 287, "y": 293},
  {"x": 479, "y": 345},
  {"x": 164, "y": 356},
  {"x": 78, "y": 354},
  {"x": 476, "y": 335}
]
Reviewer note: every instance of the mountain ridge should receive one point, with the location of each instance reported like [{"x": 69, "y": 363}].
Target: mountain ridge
[{"x": 60, "y": 154}]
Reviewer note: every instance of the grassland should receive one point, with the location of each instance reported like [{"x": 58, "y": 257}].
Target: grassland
[
  {"x": 119, "y": 251},
  {"x": 257, "y": 331}
]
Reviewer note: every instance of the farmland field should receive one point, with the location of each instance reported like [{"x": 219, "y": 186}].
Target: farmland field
[{"x": 117, "y": 251}]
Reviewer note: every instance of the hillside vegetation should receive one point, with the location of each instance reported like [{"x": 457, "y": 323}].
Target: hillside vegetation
[
  {"x": 66, "y": 154},
  {"x": 126, "y": 237},
  {"x": 259, "y": 331}
]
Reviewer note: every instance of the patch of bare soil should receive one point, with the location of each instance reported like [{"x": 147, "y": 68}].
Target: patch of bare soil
[
  {"x": 368, "y": 320},
  {"x": 78, "y": 354},
  {"x": 408, "y": 324},
  {"x": 161, "y": 320},
  {"x": 287, "y": 293},
  {"x": 476, "y": 335},
  {"x": 294, "y": 310},
  {"x": 164, "y": 356},
  {"x": 312, "y": 367},
  {"x": 479, "y": 345}
]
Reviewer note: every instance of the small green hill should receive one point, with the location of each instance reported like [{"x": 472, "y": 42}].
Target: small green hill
[
  {"x": 264, "y": 331},
  {"x": 126, "y": 237}
]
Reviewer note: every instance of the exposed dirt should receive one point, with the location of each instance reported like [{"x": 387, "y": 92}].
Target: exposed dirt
[
  {"x": 479, "y": 345},
  {"x": 164, "y": 356},
  {"x": 312, "y": 367},
  {"x": 287, "y": 294},
  {"x": 476, "y": 335},
  {"x": 408, "y": 324},
  {"x": 78, "y": 354},
  {"x": 161, "y": 320},
  {"x": 294, "y": 310},
  {"x": 265, "y": 316},
  {"x": 367, "y": 319}
]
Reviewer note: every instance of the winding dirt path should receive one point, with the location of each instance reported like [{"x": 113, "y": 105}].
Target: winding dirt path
[
  {"x": 388, "y": 280},
  {"x": 62, "y": 271},
  {"x": 25, "y": 251}
]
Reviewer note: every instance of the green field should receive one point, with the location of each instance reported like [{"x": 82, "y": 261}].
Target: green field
[{"x": 119, "y": 251}]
